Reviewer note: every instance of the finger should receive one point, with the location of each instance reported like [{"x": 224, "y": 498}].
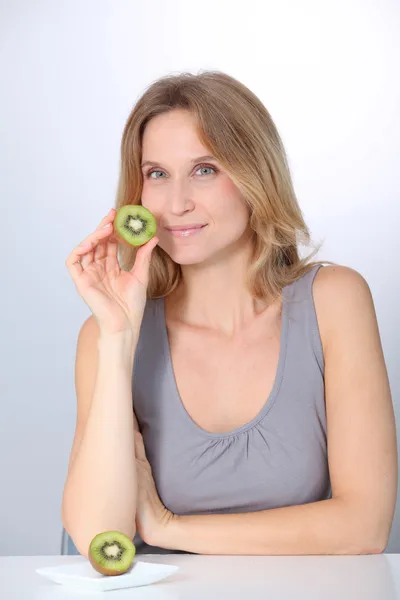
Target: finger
[
  {"x": 74, "y": 267},
  {"x": 135, "y": 423},
  {"x": 92, "y": 242},
  {"x": 73, "y": 261},
  {"x": 139, "y": 446},
  {"x": 87, "y": 258},
  {"x": 96, "y": 236},
  {"x": 108, "y": 251},
  {"x": 112, "y": 252},
  {"x": 105, "y": 250},
  {"x": 76, "y": 258},
  {"x": 142, "y": 260},
  {"x": 100, "y": 251},
  {"x": 111, "y": 256},
  {"x": 109, "y": 218}
]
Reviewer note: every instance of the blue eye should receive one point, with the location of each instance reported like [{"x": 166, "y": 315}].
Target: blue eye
[
  {"x": 151, "y": 172},
  {"x": 199, "y": 167},
  {"x": 206, "y": 167}
]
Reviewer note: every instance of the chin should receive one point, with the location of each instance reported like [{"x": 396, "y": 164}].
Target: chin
[{"x": 186, "y": 256}]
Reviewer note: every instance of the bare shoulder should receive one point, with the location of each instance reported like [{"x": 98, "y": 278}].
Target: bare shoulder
[
  {"x": 341, "y": 295},
  {"x": 331, "y": 277}
]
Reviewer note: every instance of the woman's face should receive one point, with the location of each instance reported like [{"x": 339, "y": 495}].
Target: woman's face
[{"x": 200, "y": 212}]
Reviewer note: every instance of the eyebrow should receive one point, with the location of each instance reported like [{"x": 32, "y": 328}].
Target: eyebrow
[{"x": 194, "y": 160}]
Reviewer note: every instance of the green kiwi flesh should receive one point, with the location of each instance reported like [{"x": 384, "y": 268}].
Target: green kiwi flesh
[
  {"x": 134, "y": 224},
  {"x": 111, "y": 553}
]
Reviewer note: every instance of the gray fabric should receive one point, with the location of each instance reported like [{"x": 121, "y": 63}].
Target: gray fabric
[{"x": 277, "y": 459}]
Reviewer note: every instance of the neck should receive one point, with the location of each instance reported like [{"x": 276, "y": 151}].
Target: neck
[{"x": 215, "y": 295}]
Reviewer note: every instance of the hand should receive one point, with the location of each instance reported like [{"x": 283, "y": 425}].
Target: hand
[
  {"x": 117, "y": 298},
  {"x": 152, "y": 518}
]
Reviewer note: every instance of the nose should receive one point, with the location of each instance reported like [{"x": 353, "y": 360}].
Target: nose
[{"x": 180, "y": 201}]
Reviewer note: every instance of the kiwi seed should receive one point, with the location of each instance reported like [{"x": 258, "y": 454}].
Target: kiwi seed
[
  {"x": 111, "y": 553},
  {"x": 134, "y": 225}
]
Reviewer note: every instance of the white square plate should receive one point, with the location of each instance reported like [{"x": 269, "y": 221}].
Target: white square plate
[{"x": 82, "y": 575}]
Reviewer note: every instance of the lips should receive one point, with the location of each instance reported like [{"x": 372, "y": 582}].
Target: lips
[
  {"x": 185, "y": 227},
  {"x": 184, "y": 231}
]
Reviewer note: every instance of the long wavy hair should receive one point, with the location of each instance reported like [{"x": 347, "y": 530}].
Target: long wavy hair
[{"x": 234, "y": 125}]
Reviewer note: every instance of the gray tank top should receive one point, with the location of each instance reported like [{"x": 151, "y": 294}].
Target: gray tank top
[{"x": 277, "y": 459}]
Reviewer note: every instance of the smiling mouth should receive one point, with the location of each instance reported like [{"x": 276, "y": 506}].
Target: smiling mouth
[
  {"x": 183, "y": 231},
  {"x": 184, "y": 227}
]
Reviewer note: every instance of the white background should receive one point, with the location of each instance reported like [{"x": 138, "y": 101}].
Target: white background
[{"x": 71, "y": 72}]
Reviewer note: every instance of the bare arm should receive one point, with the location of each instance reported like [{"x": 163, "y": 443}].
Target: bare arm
[
  {"x": 100, "y": 490},
  {"x": 362, "y": 448}
]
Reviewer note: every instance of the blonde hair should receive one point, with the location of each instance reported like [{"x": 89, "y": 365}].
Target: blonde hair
[{"x": 237, "y": 129}]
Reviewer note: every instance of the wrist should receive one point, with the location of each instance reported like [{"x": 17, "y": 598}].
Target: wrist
[
  {"x": 122, "y": 336},
  {"x": 169, "y": 533},
  {"x": 121, "y": 344}
]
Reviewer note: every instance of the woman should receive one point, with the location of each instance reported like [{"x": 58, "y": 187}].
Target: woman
[{"x": 257, "y": 377}]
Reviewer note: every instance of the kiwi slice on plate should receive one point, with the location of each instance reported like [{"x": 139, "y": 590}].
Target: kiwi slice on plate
[
  {"x": 134, "y": 225},
  {"x": 111, "y": 553}
]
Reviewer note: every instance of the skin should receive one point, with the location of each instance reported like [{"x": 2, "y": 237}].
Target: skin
[
  {"x": 214, "y": 263},
  {"x": 362, "y": 445}
]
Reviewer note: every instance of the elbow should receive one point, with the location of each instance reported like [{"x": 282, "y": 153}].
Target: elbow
[
  {"x": 366, "y": 530},
  {"x": 79, "y": 540},
  {"x": 372, "y": 548},
  {"x": 378, "y": 532},
  {"x": 82, "y": 532},
  {"x": 363, "y": 545},
  {"x": 375, "y": 544},
  {"x": 82, "y": 541},
  {"x": 81, "y": 544},
  {"x": 373, "y": 540}
]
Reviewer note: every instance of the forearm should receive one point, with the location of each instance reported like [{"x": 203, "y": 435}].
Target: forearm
[
  {"x": 325, "y": 527},
  {"x": 100, "y": 491}
]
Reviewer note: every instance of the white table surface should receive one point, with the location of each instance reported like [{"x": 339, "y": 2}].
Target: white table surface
[{"x": 201, "y": 577}]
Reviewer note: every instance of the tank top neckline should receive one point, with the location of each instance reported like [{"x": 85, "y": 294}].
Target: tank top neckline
[{"x": 270, "y": 401}]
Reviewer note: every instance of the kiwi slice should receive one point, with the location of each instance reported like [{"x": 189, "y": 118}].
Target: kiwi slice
[
  {"x": 134, "y": 225},
  {"x": 111, "y": 553}
]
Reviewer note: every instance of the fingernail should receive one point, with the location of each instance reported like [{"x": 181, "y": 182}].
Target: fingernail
[{"x": 108, "y": 225}]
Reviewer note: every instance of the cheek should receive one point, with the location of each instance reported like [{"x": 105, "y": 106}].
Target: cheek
[
  {"x": 232, "y": 210},
  {"x": 153, "y": 204}
]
